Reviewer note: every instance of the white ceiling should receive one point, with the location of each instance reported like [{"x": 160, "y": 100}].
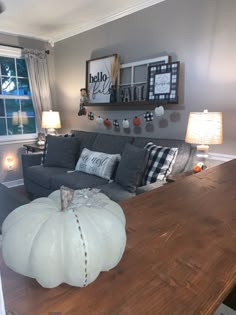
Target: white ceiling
[{"x": 54, "y": 20}]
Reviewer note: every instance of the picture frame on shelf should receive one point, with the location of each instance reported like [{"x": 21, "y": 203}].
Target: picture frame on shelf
[
  {"x": 100, "y": 78},
  {"x": 133, "y": 78},
  {"x": 163, "y": 82}
]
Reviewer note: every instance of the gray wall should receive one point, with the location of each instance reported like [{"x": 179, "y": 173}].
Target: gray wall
[
  {"x": 15, "y": 149},
  {"x": 200, "y": 34}
]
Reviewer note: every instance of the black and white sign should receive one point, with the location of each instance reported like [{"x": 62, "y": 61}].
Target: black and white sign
[{"x": 98, "y": 82}]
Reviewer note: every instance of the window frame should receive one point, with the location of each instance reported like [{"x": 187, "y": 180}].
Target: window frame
[{"x": 12, "y": 52}]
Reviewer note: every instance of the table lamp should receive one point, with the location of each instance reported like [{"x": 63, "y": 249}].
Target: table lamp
[
  {"x": 51, "y": 121},
  {"x": 20, "y": 118},
  {"x": 204, "y": 128}
]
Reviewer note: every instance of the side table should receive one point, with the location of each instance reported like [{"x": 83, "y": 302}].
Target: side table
[{"x": 33, "y": 148}]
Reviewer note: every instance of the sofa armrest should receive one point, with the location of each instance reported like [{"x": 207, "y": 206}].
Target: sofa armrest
[
  {"x": 149, "y": 187},
  {"x": 30, "y": 159}
]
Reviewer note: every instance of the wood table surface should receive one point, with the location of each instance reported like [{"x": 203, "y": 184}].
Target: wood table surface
[{"x": 180, "y": 257}]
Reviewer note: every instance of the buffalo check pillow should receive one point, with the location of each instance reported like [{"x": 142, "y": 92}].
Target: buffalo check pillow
[{"x": 160, "y": 162}]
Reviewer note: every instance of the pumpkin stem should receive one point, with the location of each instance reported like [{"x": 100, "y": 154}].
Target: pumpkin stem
[{"x": 66, "y": 197}]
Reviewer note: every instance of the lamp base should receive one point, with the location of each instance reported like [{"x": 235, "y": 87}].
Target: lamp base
[
  {"x": 202, "y": 150},
  {"x": 51, "y": 131}
]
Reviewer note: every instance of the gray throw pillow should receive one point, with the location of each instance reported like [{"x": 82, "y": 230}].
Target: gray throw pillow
[
  {"x": 61, "y": 151},
  {"x": 131, "y": 167}
]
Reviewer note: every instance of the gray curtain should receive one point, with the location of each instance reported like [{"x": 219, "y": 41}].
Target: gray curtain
[{"x": 36, "y": 62}]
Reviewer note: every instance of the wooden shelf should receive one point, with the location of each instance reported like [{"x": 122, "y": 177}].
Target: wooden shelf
[{"x": 136, "y": 103}]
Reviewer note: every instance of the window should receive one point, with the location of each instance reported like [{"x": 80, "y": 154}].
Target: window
[{"x": 17, "y": 116}]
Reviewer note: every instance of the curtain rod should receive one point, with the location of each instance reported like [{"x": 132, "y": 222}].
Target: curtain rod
[{"x": 13, "y": 46}]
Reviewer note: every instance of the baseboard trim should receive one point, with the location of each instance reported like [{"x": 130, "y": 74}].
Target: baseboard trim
[
  {"x": 221, "y": 157},
  {"x": 14, "y": 183}
]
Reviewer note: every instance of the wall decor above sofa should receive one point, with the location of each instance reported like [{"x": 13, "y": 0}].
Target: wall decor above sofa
[
  {"x": 101, "y": 76},
  {"x": 140, "y": 82}
]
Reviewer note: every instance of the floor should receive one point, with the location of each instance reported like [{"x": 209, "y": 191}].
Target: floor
[{"x": 20, "y": 190}]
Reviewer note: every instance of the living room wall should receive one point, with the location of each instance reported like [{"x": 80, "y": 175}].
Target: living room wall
[
  {"x": 15, "y": 149},
  {"x": 200, "y": 34}
]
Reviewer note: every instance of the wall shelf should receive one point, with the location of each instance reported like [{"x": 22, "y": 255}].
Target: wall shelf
[{"x": 132, "y": 103}]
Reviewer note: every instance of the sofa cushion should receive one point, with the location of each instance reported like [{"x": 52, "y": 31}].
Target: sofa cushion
[
  {"x": 97, "y": 163},
  {"x": 86, "y": 139},
  {"x": 77, "y": 180},
  {"x": 186, "y": 152},
  {"x": 115, "y": 191},
  {"x": 42, "y": 175},
  {"x": 160, "y": 163},
  {"x": 131, "y": 167},
  {"x": 110, "y": 144},
  {"x": 61, "y": 151}
]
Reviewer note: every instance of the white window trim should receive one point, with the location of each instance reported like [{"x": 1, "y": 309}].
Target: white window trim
[
  {"x": 13, "y": 52},
  {"x": 10, "y": 52}
]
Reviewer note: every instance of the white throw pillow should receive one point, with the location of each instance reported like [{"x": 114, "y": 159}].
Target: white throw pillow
[{"x": 97, "y": 163}]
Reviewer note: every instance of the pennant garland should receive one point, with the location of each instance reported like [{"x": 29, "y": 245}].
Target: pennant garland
[
  {"x": 148, "y": 116},
  {"x": 107, "y": 123},
  {"x": 136, "y": 120},
  {"x": 90, "y": 116},
  {"x": 125, "y": 123},
  {"x": 116, "y": 123},
  {"x": 99, "y": 120}
]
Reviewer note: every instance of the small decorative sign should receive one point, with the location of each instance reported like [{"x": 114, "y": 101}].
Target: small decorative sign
[
  {"x": 163, "y": 82},
  {"x": 133, "y": 93},
  {"x": 98, "y": 78}
]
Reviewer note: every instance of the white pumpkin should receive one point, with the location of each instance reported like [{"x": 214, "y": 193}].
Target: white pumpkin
[
  {"x": 159, "y": 111},
  {"x": 125, "y": 123},
  {"x": 71, "y": 246}
]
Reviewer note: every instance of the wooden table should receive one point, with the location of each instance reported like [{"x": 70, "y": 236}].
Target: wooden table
[
  {"x": 33, "y": 148},
  {"x": 180, "y": 257}
]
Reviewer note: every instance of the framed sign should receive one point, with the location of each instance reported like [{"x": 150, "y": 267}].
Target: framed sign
[
  {"x": 163, "y": 82},
  {"x": 99, "y": 78}
]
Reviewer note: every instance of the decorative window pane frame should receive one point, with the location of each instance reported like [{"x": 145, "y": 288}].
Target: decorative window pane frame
[
  {"x": 137, "y": 91},
  {"x": 12, "y": 52}
]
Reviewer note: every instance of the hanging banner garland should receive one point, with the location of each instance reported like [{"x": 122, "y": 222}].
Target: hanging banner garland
[
  {"x": 99, "y": 120},
  {"x": 148, "y": 116},
  {"x": 107, "y": 123},
  {"x": 136, "y": 120},
  {"x": 125, "y": 123},
  {"x": 159, "y": 111},
  {"x": 90, "y": 116},
  {"x": 116, "y": 123}
]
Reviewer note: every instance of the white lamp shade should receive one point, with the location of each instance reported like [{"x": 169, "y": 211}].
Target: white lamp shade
[
  {"x": 204, "y": 128},
  {"x": 19, "y": 118},
  {"x": 51, "y": 119}
]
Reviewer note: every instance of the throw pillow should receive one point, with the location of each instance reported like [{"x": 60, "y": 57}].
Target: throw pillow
[
  {"x": 60, "y": 151},
  {"x": 160, "y": 162},
  {"x": 131, "y": 167},
  {"x": 97, "y": 163}
]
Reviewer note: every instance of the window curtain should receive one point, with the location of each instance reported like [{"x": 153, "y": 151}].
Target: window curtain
[{"x": 36, "y": 62}]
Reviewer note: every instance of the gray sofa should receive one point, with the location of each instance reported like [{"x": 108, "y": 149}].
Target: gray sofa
[{"x": 41, "y": 180}]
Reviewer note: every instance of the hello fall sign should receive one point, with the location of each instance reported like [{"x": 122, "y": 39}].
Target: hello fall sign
[{"x": 98, "y": 82}]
